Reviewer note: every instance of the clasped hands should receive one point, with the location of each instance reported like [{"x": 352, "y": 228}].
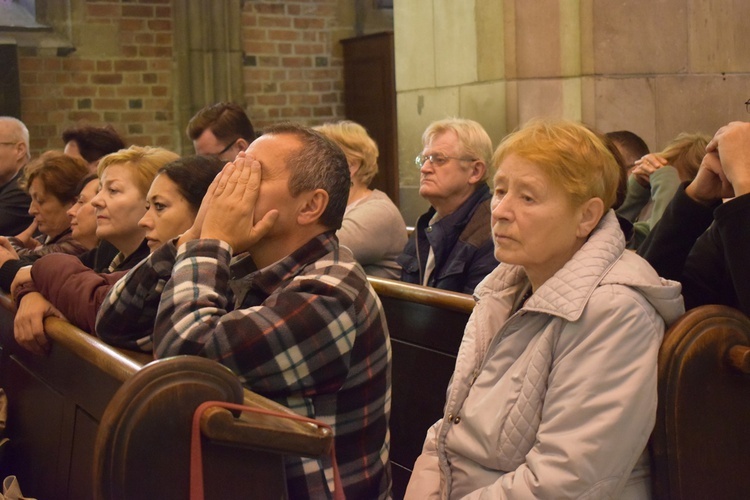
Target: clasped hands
[
  {"x": 725, "y": 169},
  {"x": 227, "y": 211}
]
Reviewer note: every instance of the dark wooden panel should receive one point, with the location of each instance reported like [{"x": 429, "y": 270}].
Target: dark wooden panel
[{"x": 370, "y": 100}]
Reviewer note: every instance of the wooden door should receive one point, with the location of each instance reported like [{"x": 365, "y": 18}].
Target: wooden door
[{"x": 370, "y": 100}]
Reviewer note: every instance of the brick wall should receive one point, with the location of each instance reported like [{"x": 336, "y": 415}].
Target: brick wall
[
  {"x": 127, "y": 83},
  {"x": 293, "y": 68},
  {"x": 123, "y": 70}
]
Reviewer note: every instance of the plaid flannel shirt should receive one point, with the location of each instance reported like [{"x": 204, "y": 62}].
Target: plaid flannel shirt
[{"x": 308, "y": 332}]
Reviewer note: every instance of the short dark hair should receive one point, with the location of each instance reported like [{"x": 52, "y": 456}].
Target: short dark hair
[
  {"x": 192, "y": 175},
  {"x": 94, "y": 142},
  {"x": 226, "y": 120},
  {"x": 319, "y": 164},
  {"x": 634, "y": 146}
]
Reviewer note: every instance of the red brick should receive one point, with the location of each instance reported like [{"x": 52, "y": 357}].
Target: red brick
[
  {"x": 331, "y": 98},
  {"x": 163, "y": 39},
  {"x": 132, "y": 24},
  {"x": 129, "y": 51},
  {"x": 274, "y": 22},
  {"x": 309, "y": 48},
  {"x": 323, "y": 111},
  {"x": 104, "y": 65},
  {"x": 152, "y": 51},
  {"x": 160, "y": 25},
  {"x": 131, "y": 79},
  {"x": 79, "y": 91},
  {"x": 321, "y": 86},
  {"x": 295, "y": 86},
  {"x": 106, "y": 91},
  {"x": 306, "y": 23},
  {"x": 103, "y": 10},
  {"x": 90, "y": 116},
  {"x": 146, "y": 38},
  {"x": 304, "y": 99},
  {"x": 30, "y": 64},
  {"x": 130, "y": 65},
  {"x": 272, "y": 100},
  {"x": 163, "y": 11},
  {"x": 52, "y": 64},
  {"x": 132, "y": 91},
  {"x": 296, "y": 62},
  {"x": 267, "y": 8},
  {"x": 259, "y": 47},
  {"x": 137, "y": 11},
  {"x": 284, "y": 48},
  {"x": 101, "y": 104},
  {"x": 106, "y": 79},
  {"x": 160, "y": 65},
  {"x": 286, "y": 35}
]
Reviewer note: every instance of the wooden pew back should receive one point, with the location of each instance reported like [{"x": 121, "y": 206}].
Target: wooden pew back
[
  {"x": 426, "y": 326},
  {"x": 701, "y": 443},
  {"x": 86, "y": 399}
]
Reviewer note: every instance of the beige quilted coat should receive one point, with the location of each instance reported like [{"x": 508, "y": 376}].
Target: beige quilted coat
[{"x": 559, "y": 399}]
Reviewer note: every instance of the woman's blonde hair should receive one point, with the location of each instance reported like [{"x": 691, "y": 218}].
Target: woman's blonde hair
[
  {"x": 356, "y": 144},
  {"x": 570, "y": 154},
  {"x": 144, "y": 160},
  {"x": 685, "y": 153}
]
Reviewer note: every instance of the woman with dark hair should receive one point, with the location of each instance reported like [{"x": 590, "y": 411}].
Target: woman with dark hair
[{"x": 171, "y": 206}]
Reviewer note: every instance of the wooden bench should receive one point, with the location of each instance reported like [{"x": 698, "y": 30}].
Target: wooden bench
[
  {"x": 90, "y": 421},
  {"x": 426, "y": 326},
  {"x": 700, "y": 446}
]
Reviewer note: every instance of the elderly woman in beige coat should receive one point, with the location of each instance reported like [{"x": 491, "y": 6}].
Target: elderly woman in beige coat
[{"x": 554, "y": 390}]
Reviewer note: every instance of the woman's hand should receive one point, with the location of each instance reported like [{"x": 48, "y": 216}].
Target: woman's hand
[
  {"x": 22, "y": 276},
  {"x": 646, "y": 166},
  {"x": 7, "y": 252},
  {"x": 28, "y": 327},
  {"x": 27, "y": 236}
]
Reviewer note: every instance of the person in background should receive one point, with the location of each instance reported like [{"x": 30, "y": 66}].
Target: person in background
[
  {"x": 702, "y": 241},
  {"x": 451, "y": 246},
  {"x": 125, "y": 178},
  {"x": 222, "y": 129},
  {"x": 655, "y": 179},
  {"x": 632, "y": 148},
  {"x": 14, "y": 155},
  {"x": 91, "y": 143},
  {"x": 306, "y": 329},
  {"x": 373, "y": 228},
  {"x": 83, "y": 214},
  {"x": 52, "y": 182},
  {"x": 554, "y": 390}
]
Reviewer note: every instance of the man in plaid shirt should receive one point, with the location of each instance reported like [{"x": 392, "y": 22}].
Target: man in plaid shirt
[{"x": 307, "y": 329}]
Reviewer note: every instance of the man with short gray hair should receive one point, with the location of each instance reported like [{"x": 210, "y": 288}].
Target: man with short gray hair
[{"x": 14, "y": 155}]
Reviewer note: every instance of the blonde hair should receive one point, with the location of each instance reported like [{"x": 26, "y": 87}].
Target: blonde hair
[
  {"x": 570, "y": 154},
  {"x": 144, "y": 160},
  {"x": 472, "y": 138},
  {"x": 356, "y": 144},
  {"x": 685, "y": 153}
]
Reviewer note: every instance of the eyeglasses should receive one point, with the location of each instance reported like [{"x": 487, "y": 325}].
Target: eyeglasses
[
  {"x": 5, "y": 143},
  {"x": 438, "y": 159},
  {"x": 747, "y": 105},
  {"x": 227, "y": 148}
]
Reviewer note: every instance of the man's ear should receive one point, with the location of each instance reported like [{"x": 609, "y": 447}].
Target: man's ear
[
  {"x": 478, "y": 168},
  {"x": 241, "y": 145},
  {"x": 591, "y": 213},
  {"x": 314, "y": 203}
]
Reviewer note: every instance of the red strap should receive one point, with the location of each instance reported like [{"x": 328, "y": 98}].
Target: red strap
[{"x": 196, "y": 458}]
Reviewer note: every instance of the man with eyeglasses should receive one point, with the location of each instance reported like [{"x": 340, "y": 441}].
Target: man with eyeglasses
[
  {"x": 222, "y": 129},
  {"x": 14, "y": 154},
  {"x": 451, "y": 247}
]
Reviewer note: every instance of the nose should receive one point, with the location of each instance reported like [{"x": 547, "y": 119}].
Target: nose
[
  {"x": 33, "y": 208},
  {"x": 97, "y": 201},
  {"x": 501, "y": 208},
  {"x": 146, "y": 222},
  {"x": 72, "y": 211}
]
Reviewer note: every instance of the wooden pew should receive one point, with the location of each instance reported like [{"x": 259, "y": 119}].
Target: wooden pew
[
  {"x": 426, "y": 326},
  {"x": 90, "y": 421},
  {"x": 700, "y": 446}
]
